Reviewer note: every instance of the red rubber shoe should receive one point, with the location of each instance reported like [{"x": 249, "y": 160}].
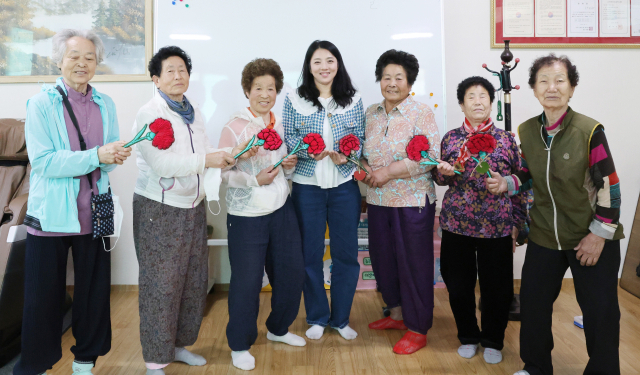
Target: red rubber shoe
[
  {"x": 388, "y": 323},
  {"x": 410, "y": 343}
]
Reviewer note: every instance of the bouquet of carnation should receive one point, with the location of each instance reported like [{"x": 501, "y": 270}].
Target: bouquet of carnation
[
  {"x": 160, "y": 134},
  {"x": 312, "y": 142},
  {"x": 481, "y": 144},
  {"x": 418, "y": 149},
  {"x": 268, "y": 138},
  {"x": 349, "y": 146}
]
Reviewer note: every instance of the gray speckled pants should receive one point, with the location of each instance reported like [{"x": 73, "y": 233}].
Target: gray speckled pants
[{"x": 171, "y": 245}]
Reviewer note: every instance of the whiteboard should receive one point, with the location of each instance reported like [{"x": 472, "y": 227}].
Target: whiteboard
[{"x": 223, "y": 36}]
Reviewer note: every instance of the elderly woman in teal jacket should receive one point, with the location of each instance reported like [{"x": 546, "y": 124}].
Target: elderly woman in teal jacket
[{"x": 64, "y": 176}]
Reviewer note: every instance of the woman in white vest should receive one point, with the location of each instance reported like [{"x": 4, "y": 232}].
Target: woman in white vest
[
  {"x": 169, "y": 218},
  {"x": 261, "y": 223}
]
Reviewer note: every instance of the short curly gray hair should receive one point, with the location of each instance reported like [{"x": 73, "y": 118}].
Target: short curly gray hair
[{"x": 61, "y": 38}]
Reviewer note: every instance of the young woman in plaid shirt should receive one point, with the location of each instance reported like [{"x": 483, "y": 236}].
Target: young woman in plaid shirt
[{"x": 323, "y": 188}]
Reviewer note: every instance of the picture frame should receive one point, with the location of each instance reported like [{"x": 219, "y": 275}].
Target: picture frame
[
  {"x": 577, "y": 33},
  {"x": 125, "y": 27}
]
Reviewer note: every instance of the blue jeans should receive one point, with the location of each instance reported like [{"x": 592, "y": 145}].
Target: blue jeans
[{"x": 340, "y": 207}]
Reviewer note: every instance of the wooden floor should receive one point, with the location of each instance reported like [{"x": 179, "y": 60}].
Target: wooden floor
[{"x": 370, "y": 353}]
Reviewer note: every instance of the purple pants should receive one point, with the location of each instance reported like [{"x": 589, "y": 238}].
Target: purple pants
[{"x": 401, "y": 250}]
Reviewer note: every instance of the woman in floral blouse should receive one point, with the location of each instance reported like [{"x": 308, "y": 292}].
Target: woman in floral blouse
[
  {"x": 478, "y": 228},
  {"x": 401, "y": 201}
]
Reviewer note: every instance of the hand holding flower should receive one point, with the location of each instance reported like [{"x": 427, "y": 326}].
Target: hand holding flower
[
  {"x": 338, "y": 158},
  {"x": 218, "y": 159},
  {"x": 379, "y": 177},
  {"x": 496, "y": 184},
  {"x": 290, "y": 162},
  {"x": 445, "y": 168},
  {"x": 266, "y": 176},
  {"x": 320, "y": 156}
]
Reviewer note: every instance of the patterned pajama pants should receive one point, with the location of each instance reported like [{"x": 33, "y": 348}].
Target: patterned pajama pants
[{"x": 171, "y": 245}]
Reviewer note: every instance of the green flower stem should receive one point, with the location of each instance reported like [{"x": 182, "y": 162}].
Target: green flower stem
[
  {"x": 295, "y": 149},
  {"x": 433, "y": 161},
  {"x": 484, "y": 155},
  {"x": 354, "y": 159},
  {"x": 251, "y": 144},
  {"x": 139, "y": 137}
]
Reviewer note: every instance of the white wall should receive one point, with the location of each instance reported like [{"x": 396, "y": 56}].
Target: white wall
[{"x": 608, "y": 91}]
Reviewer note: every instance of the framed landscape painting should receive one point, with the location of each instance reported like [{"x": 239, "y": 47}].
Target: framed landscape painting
[{"x": 27, "y": 27}]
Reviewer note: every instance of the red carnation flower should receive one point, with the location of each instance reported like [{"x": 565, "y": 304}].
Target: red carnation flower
[
  {"x": 163, "y": 138},
  {"x": 481, "y": 143},
  {"x": 315, "y": 142},
  {"x": 349, "y": 143},
  {"x": 272, "y": 140},
  {"x": 415, "y": 147}
]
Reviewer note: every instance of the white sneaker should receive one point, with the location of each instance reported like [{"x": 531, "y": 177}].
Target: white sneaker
[{"x": 522, "y": 372}]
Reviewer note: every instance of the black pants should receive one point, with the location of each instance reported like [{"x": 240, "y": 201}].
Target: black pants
[
  {"x": 44, "y": 292},
  {"x": 463, "y": 260},
  {"x": 268, "y": 243},
  {"x": 597, "y": 294}
]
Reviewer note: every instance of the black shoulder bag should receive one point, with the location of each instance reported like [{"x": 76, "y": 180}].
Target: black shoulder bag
[{"x": 102, "y": 209}]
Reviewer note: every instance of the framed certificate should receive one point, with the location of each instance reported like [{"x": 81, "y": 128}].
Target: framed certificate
[{"x": 566, "y": 23}]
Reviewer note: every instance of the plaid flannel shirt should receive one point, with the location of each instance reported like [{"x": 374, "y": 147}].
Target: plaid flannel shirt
[{"x": 301, "y": 118}]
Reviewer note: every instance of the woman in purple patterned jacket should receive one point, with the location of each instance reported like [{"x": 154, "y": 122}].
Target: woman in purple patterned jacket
[{"x": 478, "y": 228}]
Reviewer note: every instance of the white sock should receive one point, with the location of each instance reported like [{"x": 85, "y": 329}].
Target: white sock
[
  {"x": 243, "y": 360},
  {"x": 492, "y": 356},
  {"x": 522, "y": 372},
  {"x": 82, "y": 368},
  {"x": 468, "y": 351},
  {"x": 347, "y": 333},
  {"x": 192, "y": 359},
  {"x": 155, "y": 372},
  {"x": 315, "y": 332},
  {"x": 289, "y": 338}
]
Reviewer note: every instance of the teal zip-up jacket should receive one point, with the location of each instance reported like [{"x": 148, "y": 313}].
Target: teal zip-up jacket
[{"x": 53, "y": 191}]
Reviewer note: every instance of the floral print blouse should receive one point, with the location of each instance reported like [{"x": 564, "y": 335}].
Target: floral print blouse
[
  {"x": 468, "y": 208},
  {"x": 386, "y": 139}
]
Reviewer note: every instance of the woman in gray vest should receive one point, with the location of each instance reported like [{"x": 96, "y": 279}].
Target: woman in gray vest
[{"x": 574, "y": 221}]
